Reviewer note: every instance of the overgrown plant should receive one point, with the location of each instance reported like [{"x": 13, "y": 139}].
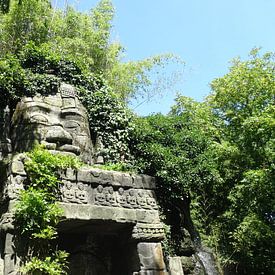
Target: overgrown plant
[{"x": 37, "y": 212}]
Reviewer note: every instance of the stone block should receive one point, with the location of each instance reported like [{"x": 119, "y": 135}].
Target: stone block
[
  {"x": 86, "y": 175},
  {"x": 117, "y": 178},
  {"x": 53, "y": 100},
  {"x": 127, "y": 180},
  {"x": 106, "y": 177},
  {"x": 151, "y": 257},
  {"x": 95, "y": 212},
  {"x": 10, "y": 265},
  {"x": 6, "y": 222},
  {"x": 137, "y": 181},
  {"x": 17, "y": 165},
  {"x": 148, "y": 182},
  {"x": 14, "y": 186},
  {"x": 68, "y": 174},
  {"x": 175, "y": 266},
  {"x": 147, "y": 216}
]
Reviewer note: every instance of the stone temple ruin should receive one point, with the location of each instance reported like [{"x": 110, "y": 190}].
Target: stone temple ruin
[{"x": 111, "y": 222}]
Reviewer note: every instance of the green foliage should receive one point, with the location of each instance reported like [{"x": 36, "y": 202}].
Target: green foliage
[
  {"x": 37, "y": 214},
  {"x": 244, "y": 102},
  {"x": 175, "y": 149},
  {"x": 26, "y": 21},
  {"x": 172, "y": 146},
  {"x": 54, "y": 265},
  {"x": 220, "y": 154},
  {"x": 76, "y": 38},
  {"x": 42, "y": 168},
  {"x": 110, "y": 121}
]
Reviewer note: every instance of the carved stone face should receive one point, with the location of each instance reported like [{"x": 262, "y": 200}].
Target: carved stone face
[{"x": 58, "y": 121}]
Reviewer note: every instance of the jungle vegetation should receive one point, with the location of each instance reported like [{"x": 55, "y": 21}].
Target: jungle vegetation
[{"x": 214, "y": 160}]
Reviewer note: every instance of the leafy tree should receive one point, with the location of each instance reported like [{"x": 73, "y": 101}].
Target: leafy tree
[
  {"x": 82, "y": 38},
  {"x": 217, "y": 157},
  {"x": 174, "y": 148},
  {"x": 244, "y": 101}
]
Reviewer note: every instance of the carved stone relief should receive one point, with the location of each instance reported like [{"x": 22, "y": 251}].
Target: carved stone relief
[
  {"x": 82, "y": 193},
  {"x": 14, "y": 186},
  {"x": 88, "y": 195},
  {"x": 59, "y": 121},
  {"x": 6, "y": 222},
  {"x": 148, "y": 231},
  {"x": 74, "y": 192}
]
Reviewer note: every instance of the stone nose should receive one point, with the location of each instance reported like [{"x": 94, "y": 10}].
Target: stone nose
[{"x": 56, "y": 134}]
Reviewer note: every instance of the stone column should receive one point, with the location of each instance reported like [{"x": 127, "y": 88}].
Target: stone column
[
  {"x": 10, "y": 261},
  {"x": 175, "y": 266},
  {"x": 151, "y": 259},
  {"x": 1, "y": 256}
]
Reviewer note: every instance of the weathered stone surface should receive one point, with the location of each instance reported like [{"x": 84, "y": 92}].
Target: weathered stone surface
[
  {"x": 69, "y": 174},
  {"x": 151, "y": 272},
  {"x": 143, "y": 231},
  {"x": 151, "y": 257},
  {"x": 17, "y": 165},
  {"x": 107, "y": 213},
  {"x": 148, "y": 182},
  {"x": 59, "y": 119},
  {"x": 175, "y": 266},
  {"x": 6, "y": 222},
  {"x": 103, "y": 205},
  {"x": 13, "y": 187},
  {"x": 1, "y": 263},
  {"x": 96, "y": 175},
  {"x": 11, "y": 264}
]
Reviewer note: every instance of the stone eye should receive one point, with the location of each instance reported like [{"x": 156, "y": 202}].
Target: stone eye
[
  {"x": 71, "y": 125},
  {"x": 38, "y": 119}
]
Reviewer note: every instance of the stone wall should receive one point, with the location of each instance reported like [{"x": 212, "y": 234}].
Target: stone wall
[{"x": 96, "y": 203}]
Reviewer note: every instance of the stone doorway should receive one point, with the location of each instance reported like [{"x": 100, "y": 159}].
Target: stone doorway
[{"x": 100, "y": 250}]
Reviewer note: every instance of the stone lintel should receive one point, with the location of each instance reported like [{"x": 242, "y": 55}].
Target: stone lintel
[
  {"x": 106, "y": 213},
  {"x": 104, "y": 177}
]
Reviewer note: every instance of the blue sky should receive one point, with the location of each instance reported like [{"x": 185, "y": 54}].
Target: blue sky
[{"x": 206, "y": 34}]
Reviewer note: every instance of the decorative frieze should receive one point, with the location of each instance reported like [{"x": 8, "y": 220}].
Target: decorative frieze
[
  {"x": 83, "y": 193},
  {"x": 74, "y": 192},
  {"x": 6, "y": 222},
  {"x": 144, "y": 231},
  {"x": 128, "y": 198},
  {"x": 14, "y": 186}
]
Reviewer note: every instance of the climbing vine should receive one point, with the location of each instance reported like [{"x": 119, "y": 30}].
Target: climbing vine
[
  {"x": 37, "y": 212},
  {"x": 39, "y": 70}
]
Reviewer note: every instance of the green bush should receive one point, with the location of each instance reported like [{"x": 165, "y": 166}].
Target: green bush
[{"x": 37, "y": 213}]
